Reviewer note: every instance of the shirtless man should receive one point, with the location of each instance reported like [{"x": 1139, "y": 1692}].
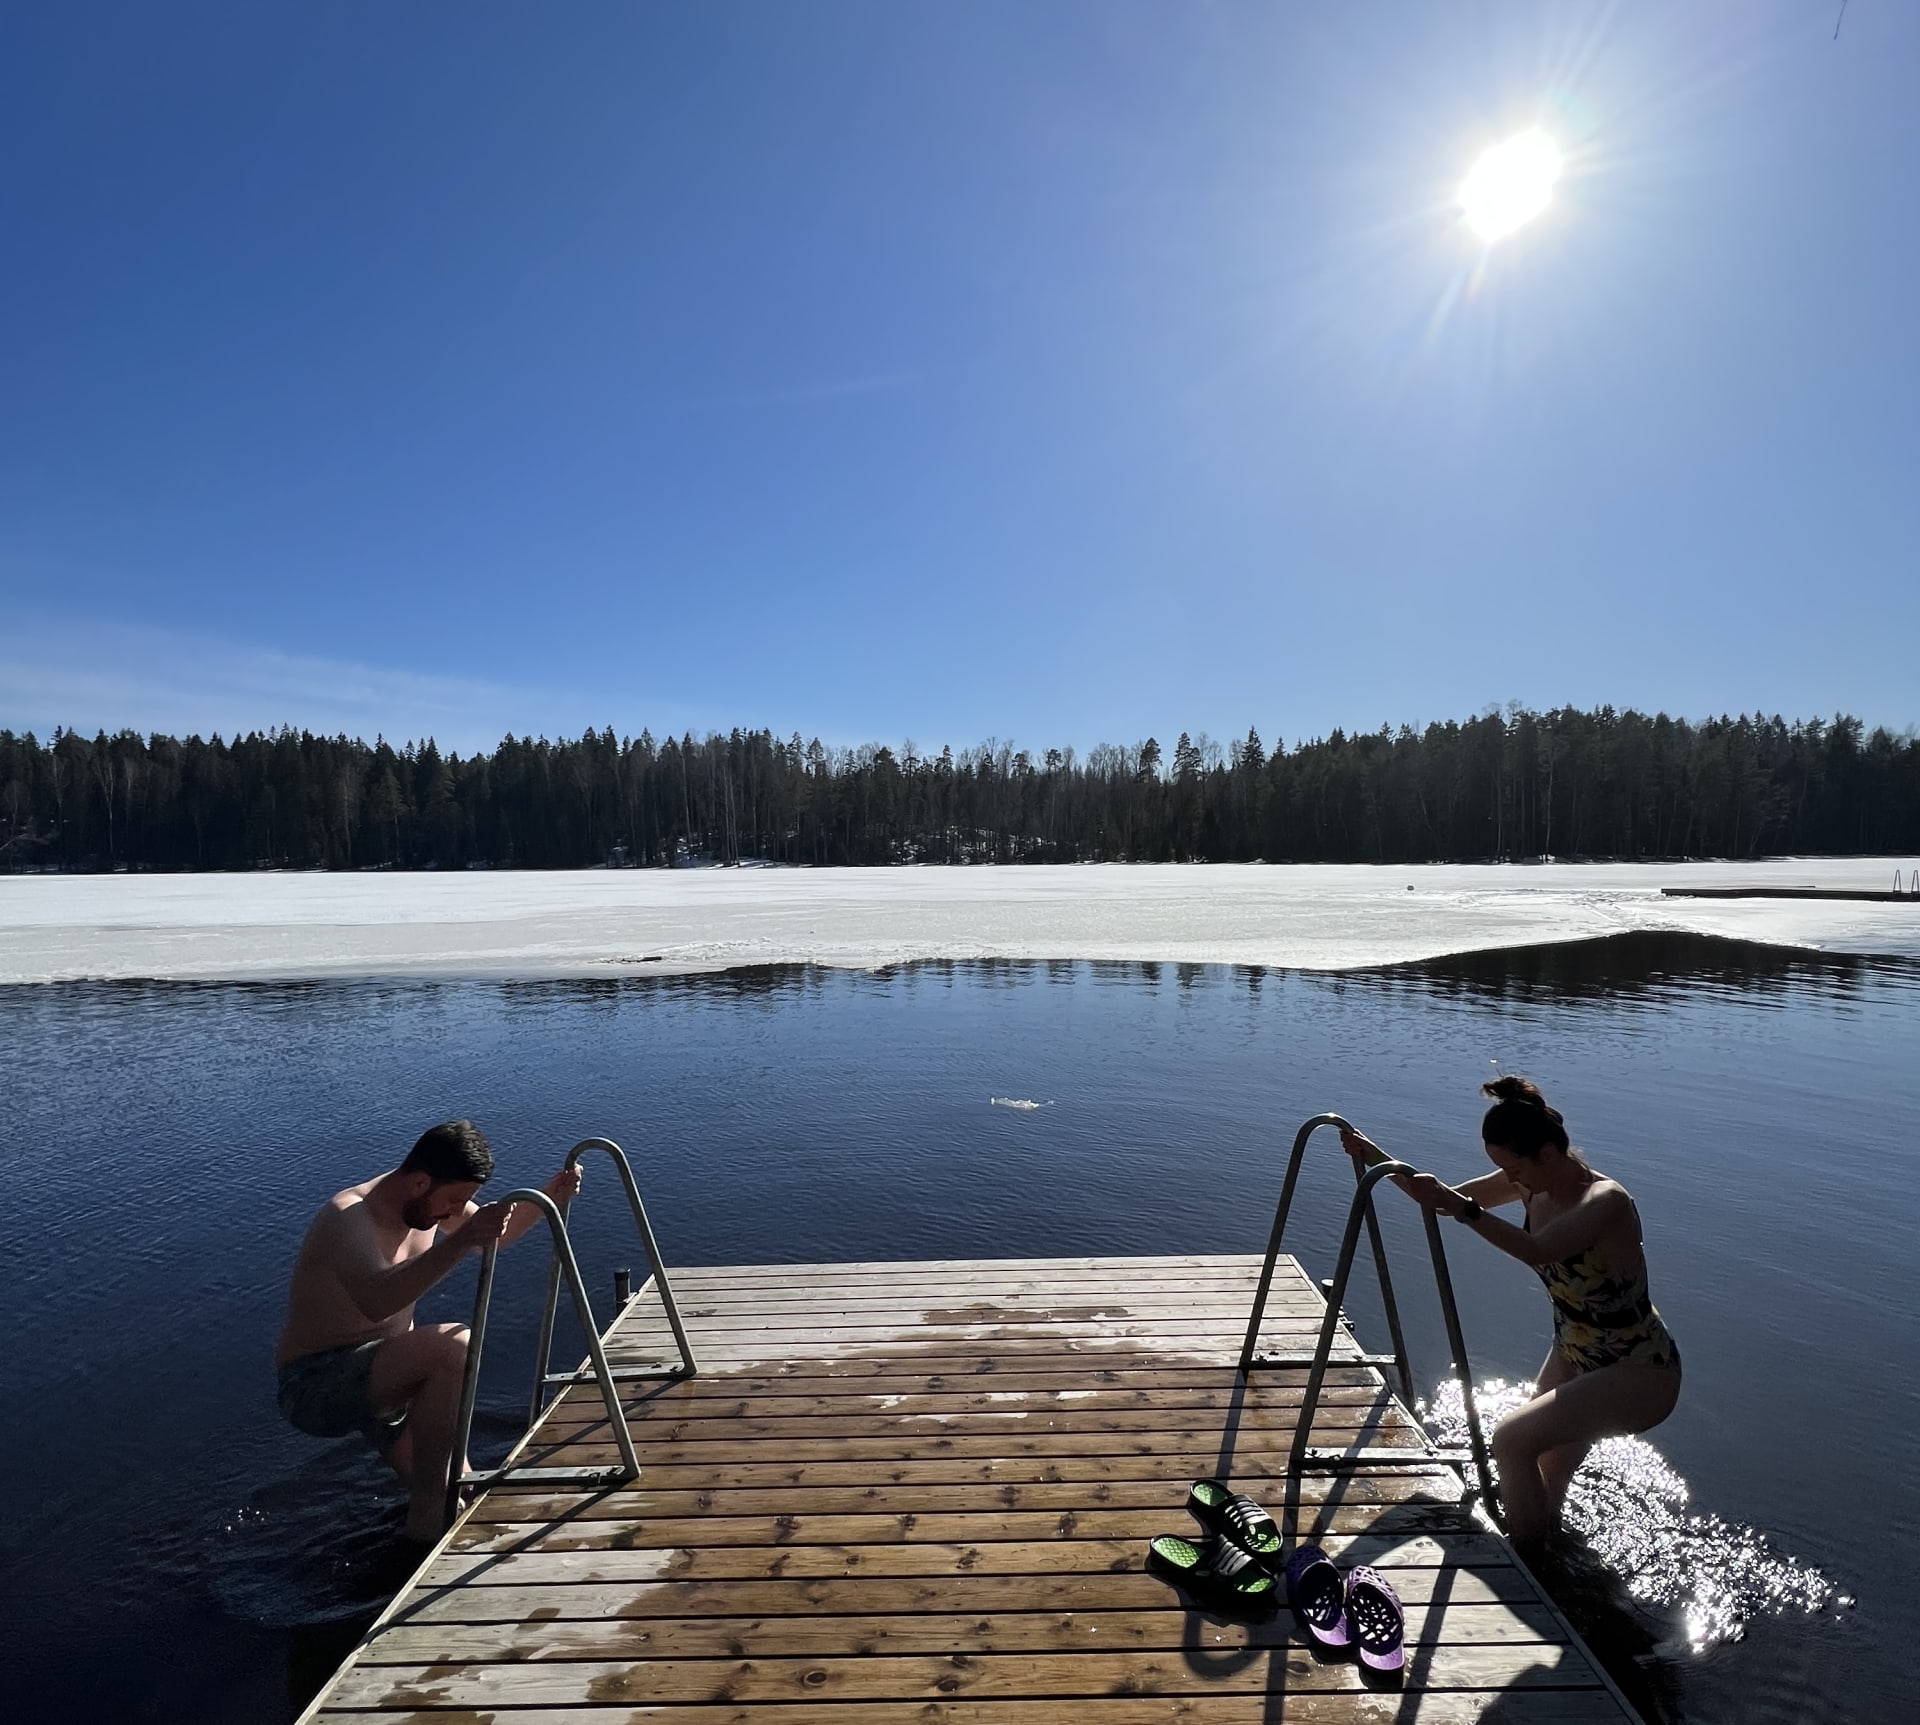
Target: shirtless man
[{"x": 350, "y": 1357}]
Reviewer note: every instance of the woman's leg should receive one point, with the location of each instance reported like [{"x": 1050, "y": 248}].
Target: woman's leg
[
  {"x": 1558, "y": 1466},
  {"x": 1571, "y": 1416}
]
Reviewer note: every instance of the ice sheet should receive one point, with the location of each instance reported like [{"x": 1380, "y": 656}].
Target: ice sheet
[{"x": 628, "y": 922}]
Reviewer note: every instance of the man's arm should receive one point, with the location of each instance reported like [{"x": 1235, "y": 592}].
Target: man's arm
[
  {"x": 380, "y": 1289},
  {"x": 561, "y": 1189}
]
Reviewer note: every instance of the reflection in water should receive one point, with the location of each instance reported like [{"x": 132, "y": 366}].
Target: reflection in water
[
  {"x": 1705, "y": 1578},
  {"x": 1650, "y": 967}
]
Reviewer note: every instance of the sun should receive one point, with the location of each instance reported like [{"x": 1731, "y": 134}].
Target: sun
[{"x": 1510, "y": 185}]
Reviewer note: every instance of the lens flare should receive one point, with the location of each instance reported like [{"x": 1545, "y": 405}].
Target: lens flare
[{"x": 1510, "y": 185}]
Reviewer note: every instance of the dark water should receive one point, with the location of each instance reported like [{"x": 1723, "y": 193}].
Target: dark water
[{"x": 171, "y": 1551}]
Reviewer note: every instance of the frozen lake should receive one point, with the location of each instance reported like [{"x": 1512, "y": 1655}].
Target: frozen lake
[
  {"x": 479, "y": 926},
  {"x": 174, "y": 1551}
]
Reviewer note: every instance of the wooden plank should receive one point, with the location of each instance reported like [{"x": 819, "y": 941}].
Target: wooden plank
[
  {"x": 1334, "y": 1707},
  {"x": 1118, "y": 1282},
  {"x": 778, "y": 1493},
  {"x": 1022, "y": 1357},
  {"x": 897, "y": 1678},
  {"x": 746, "y": 1339},
  {"x": 1233, "y": 1458},
  {"x": 802, "y": 1527},
  {"x": 744, "y": 1354},
  {"x": 512, "y": 1602},
  {"x": 922, "y": 1324},
  {"x": 1005, "y": 1631},
  {"x": 974, "y": 1305},
  {"x": 577, "y": 1413},
  {"x": 1055, "y": 1557},
  {"x": 1122, "y": 1268},
  {"x": 997, "y": 1273},
  {"x": 1261, "y": 1472},
  {"x": 910, "y": 1376},
  {"x": 1337, "y": 1423}
]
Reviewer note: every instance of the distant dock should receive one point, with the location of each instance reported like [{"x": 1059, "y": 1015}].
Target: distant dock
[
  {"x": 1836, "y": 894},
  {"x": 921, "y": 1494}
]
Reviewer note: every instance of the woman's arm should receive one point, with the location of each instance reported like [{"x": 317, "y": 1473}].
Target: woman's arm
[
  {"x": 1491, "y": 1190},
  {"x": 1586, "y": 1224}
]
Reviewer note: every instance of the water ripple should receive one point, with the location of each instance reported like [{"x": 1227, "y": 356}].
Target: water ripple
[{"x": 1708, "y": 1577}]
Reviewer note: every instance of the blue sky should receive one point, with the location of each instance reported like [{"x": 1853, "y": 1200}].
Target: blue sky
[{"x": 1061, "y": 373}]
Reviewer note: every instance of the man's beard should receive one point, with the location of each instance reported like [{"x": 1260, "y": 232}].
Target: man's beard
[{"x": 418, "y": 1213}]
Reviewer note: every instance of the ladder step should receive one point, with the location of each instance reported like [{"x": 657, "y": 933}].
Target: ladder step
[
  {"x": 1303, "y": 1362},
  {"x": 1374, "y": 1455},
  {"x": 619, "y": 1374},
  {"x": 493, "y": 1476}
]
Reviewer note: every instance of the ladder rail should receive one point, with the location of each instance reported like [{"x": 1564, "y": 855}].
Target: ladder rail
[
  {"x": 1248, "y": 1359},
  {"x": 458, "y": 1474},
  {"x": 543, "y": 1374},
  {"x": 1361, "y": 1210}
]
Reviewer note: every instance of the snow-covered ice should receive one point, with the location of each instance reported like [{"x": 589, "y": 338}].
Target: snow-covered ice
[{"x": 251, "y": 927}]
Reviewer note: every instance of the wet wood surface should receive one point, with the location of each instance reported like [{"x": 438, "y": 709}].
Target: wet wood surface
[{"x": 923, "y": 1493}]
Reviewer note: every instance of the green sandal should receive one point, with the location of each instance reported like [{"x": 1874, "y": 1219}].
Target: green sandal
[
  {"x": 1234, "y": 1516},
  {"x": 1216, "y": 1568}
]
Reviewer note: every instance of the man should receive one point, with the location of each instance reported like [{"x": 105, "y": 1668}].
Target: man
[{"x": 350, "y": 1356}]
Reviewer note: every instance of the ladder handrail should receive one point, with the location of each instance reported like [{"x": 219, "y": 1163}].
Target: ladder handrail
[
  {"x": 543, "y": 1358},
  {"x": 1330, "y": 1326},
  {"x": 457, "y": 1476},
  {"x": 1247, "y": 1355}
]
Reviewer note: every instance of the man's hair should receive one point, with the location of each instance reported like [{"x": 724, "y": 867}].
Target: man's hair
[{"x": 453, "y": 1150}]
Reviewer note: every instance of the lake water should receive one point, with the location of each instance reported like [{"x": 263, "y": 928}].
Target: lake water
[{"x": 173, "y": 1551}]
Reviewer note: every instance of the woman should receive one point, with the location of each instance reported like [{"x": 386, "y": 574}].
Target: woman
[{"x": 1614, "y": 1367}]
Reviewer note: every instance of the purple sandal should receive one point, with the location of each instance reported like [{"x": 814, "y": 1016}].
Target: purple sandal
[
  {"x": 1318, "y": 1592},
  {"x": 1375, "y": 1621}
]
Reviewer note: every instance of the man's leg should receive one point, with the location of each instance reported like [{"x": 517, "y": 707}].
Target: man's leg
[{"x": 422, "y": 1371}]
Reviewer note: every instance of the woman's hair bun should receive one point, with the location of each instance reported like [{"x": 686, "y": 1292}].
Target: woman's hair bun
[
  {"x": 1511, "y": 1087},
  {"x": 1521, "y": 1118}
]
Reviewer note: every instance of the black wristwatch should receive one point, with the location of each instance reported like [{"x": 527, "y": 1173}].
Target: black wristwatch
[{"x": 1470, "y": 1211}]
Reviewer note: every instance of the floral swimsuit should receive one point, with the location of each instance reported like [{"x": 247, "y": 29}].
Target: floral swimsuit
[{"x": 1601, "y": 1319}]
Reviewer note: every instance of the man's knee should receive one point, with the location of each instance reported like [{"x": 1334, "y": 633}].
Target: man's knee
[{"x": 448, "y": 1350}]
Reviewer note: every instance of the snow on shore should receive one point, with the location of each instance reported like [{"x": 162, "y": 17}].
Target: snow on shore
[{"x": 251, "y": 927}]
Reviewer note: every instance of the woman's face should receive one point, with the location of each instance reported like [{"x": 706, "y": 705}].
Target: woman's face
[{"x": 1523, "y": 1171}]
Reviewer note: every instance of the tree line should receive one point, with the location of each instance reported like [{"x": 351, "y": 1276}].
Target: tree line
[{"x": 1509, "y": 784}]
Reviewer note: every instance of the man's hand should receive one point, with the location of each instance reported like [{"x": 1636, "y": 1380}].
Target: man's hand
[
  {"x": 484, "y": 1226},
  {"x": 564, "y": 1187}
]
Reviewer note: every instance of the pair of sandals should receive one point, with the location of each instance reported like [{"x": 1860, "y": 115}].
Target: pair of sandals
[{"x": 1236, "y": 1565}]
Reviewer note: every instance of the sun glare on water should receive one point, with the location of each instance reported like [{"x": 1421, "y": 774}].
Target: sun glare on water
[{"x": 1510, "y": 185}]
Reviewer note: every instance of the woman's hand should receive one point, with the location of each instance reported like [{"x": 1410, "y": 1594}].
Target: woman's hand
[
  {"x": 1430, "y": 1192},
  {"x": 1360, "y": 1147}
]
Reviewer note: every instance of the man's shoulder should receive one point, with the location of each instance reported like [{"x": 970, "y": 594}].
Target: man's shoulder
[{"x": 346, "y": 1209}]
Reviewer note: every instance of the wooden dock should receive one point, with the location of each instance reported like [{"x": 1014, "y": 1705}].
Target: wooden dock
[{"x": 921, "y": 1494}]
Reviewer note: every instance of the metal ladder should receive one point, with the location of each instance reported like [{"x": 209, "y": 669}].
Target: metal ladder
[
  {"x": 457, "y": 1477},
  {"x": 543, "y": 1378},
  {"x": 563, "y": 1262},
  {"x": 1303, "y": 1457}
]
